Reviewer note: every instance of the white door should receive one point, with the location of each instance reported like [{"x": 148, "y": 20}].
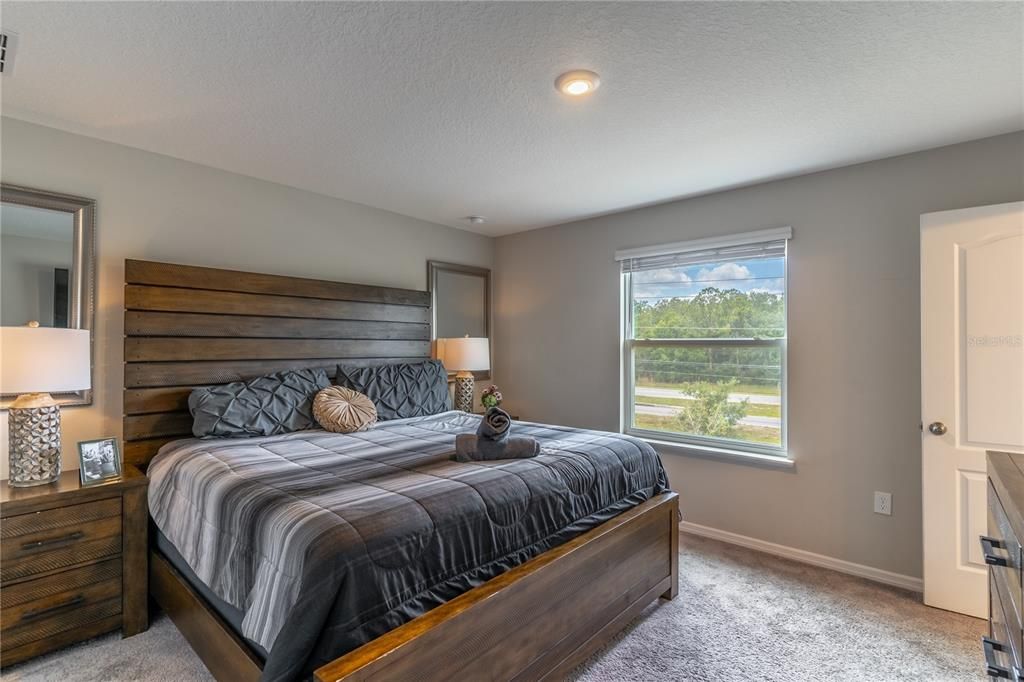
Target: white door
[{"x": 972, "y": 386}]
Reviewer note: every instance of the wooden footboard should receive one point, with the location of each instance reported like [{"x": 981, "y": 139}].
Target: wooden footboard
[
  {"x": 540, "y": 619},
  {"x": 535, "y": 622}
]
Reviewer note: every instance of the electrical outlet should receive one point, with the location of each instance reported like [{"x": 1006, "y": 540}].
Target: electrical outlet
[{"x": 883, "y": 503}]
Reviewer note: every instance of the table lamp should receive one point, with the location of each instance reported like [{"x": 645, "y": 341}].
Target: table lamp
[
  {"x": 35, "y": 361},
  {"x": 464, "y": 356}
]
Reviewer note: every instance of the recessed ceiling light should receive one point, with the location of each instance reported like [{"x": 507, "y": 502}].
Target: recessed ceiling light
[
  {"x": 577, "y": 83},
  {"x": 476, "y": 219}
]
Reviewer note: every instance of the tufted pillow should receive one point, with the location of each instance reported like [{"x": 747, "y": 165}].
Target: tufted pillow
[
  {"x": 412, "y": 389},
  {"x": 343, "y": 410},
  {"x": 264, "y": 406}
]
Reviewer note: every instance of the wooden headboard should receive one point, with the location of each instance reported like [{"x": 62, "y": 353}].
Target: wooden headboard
[{"x": 188, "y": 326}]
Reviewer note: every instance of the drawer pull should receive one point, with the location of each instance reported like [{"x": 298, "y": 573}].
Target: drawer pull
[
  {"x": 988, "y": 547},
  {"x": 63, "y": 539},
  {"x": 42, "y": 613}
]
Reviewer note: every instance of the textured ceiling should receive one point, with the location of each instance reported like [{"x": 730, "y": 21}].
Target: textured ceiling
[{"x": 443, "y": 110}]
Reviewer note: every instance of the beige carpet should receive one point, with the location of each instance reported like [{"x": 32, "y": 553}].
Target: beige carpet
[{"x": 740, "y": 615}]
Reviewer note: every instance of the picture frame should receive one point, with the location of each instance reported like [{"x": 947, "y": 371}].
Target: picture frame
[{"x": 99, "y": 461}]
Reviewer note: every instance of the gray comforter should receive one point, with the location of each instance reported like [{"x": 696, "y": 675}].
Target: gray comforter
[{"x": 326, "y": 541}]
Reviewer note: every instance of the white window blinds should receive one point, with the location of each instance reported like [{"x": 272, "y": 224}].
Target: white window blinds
[{"x": 747, "y": 246}]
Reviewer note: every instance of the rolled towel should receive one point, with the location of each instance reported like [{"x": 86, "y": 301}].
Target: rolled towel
[
  {"x": 470, "y": 448},
  {"x": 495, "y": 424}
]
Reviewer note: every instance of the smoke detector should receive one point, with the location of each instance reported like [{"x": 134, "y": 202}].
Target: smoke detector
[{"x": 8, "y": 41}]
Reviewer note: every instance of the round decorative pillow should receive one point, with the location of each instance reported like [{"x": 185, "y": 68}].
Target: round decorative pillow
[{"x": 343, "y": 410}]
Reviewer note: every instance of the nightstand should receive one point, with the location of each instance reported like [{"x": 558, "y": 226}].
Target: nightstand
[{"x": 73, "y": 563}]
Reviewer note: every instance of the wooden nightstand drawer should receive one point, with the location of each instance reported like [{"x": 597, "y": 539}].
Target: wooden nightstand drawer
[
  {"x": 41, "y": 588},
  {"x": 56, "y": 519},
  {"x": 38, "y": 608},
  {"x": 71, "y": 543},
  {"x": 63, "y": 620}
]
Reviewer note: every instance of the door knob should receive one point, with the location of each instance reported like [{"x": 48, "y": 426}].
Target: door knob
[{"x": 937, "y": 429}]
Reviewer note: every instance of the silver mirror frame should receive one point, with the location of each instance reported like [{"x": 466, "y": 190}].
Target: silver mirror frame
[
  {"x": 434, "y": 267},
  {"x": 82, "y": 289}
]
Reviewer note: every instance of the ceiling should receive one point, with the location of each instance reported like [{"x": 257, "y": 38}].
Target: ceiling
[{"x": 445, "y": 110}]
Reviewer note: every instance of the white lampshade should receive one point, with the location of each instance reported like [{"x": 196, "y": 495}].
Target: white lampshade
[
  {"x": 465, "y": 354},
  {"x": 43, "y": 360}
]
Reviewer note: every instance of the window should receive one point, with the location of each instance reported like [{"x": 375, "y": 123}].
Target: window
[{"x": 704, "y": 343}]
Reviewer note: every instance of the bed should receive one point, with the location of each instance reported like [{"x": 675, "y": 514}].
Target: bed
[{"x": 413, "y": 566}]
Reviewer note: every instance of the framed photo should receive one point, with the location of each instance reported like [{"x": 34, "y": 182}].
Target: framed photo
[{"x": 99, "y": 461}]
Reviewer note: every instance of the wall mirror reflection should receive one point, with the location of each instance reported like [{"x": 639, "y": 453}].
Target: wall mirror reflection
[
  {"x": 460, "y": 302},
  {"x": 36, "y": 250},
  {"x": 46, "y": 266}
]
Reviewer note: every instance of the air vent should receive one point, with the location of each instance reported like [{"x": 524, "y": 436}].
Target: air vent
[{"x": 8, "y": 41}]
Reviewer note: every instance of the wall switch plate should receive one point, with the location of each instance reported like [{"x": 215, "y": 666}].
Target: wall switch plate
[{"x": 883, "y": 503}]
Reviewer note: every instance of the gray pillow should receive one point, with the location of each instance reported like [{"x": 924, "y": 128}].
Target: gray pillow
[
  {"x": 413, "y": 389},
  {"x": 264, "y": 406}
]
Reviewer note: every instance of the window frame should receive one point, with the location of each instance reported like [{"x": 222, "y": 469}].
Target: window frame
[{"x": 704, "y": 445}]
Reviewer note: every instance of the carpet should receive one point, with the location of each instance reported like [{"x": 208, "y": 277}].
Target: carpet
[
  {"x": 740, "y": 614},
  {"x": 745, "y": 615}
]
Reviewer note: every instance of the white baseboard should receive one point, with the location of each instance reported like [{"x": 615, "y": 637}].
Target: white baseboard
[{"x": 860, "y": 570}]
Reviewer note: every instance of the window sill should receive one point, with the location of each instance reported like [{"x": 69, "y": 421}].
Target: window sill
[{"x": 721, "y": 454}]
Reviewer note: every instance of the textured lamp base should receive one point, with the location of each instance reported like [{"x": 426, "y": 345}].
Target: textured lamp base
[
  {"x": 464, "y": 391},
  {"x": 34, "y": 432}
]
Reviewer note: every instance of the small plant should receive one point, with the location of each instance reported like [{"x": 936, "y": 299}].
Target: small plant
[{"x": 491, "y": 397}]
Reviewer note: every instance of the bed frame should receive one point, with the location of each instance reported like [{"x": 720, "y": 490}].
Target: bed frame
[{"x": 188, "y": 326}]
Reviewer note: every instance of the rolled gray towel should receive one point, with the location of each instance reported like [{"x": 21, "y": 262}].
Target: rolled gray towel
[
  {"x": 470, "y": 448},
  {"x": 495, "y": 424}
]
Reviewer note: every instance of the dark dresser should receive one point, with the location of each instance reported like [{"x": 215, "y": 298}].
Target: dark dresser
[{"x": 1005, "y": 644}]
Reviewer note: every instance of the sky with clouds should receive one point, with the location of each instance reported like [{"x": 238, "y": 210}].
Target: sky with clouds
[{"x": 759, "y": 274}]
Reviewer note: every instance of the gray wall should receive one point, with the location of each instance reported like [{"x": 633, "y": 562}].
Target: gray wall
[
  {"x": 158, "y": 208},
  {"x": 854, "y": 359}
]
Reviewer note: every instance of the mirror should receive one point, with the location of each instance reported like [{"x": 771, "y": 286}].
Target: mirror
[
  {"x": 46, "y": 265},
  {"x": 460, "y": 302}
]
